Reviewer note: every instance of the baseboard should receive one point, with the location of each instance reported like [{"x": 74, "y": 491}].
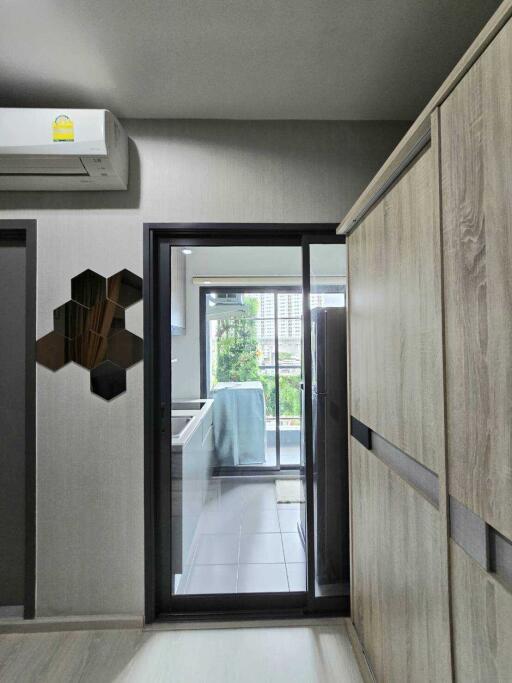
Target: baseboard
[
  {"x": 10, "y": 611},
  {"x": 74, "y": 623},
  {"x": 359, "y": 652}
]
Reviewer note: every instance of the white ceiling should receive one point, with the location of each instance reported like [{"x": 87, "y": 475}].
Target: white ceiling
[{"x": 247, "y": 59}]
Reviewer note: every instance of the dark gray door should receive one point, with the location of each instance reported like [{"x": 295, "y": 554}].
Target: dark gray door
[{"x": 12, "y": 420}]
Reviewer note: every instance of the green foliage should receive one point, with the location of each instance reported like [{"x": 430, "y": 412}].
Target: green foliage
[
  {"x": 238, "y": 361},
  {"x": 289, "y": 395},
  {"x": 269, "y": 389},
  {"x": 237, "y": 347}
]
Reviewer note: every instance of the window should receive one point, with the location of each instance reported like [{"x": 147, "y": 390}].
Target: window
[{"x": 256, "y": 336}]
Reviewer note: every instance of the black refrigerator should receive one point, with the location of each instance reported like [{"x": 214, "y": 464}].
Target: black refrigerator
[{"x": 330, "y": 450}]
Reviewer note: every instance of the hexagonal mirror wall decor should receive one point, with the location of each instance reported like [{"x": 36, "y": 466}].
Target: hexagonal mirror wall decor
[
  {"x": 108, "y": 380},
  {"x": 124, "y": 288},
  {"x": 88, "y": 288},
  {"x": 124, "y": 349},
  {"x": 89, "y": 330}
]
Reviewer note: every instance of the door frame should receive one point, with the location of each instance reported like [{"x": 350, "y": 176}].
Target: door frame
[
  {"x": 157, "y": 554},
  {"x": 26, "y": 231}
]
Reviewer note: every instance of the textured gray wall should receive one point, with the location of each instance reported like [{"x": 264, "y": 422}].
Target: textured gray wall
[{"x": 90, "y": 452}]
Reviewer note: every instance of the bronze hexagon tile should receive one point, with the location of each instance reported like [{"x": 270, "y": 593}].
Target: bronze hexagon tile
[
  {"x": 88, "y": 288},
  {"x": 105, "y": 318},
  {"x": 88, "y": 350},
  {"x": 108, "y": 380},
  {"x": 125, "y": 349},
  {"x": 52, "y": 351},
  {"x": 69, "y": 319},
  {"x": 124, "y": 288}
]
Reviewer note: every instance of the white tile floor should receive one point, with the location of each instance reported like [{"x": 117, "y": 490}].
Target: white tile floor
[{"x": 246, "y": 543}]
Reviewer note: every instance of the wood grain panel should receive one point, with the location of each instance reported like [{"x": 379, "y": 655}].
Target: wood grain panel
[
  {"x": 476, "y": 143},
  {"x": 482, "y": 622},
  {"x": 399, "y": 605},
  {"x": 395, "y": 317}
]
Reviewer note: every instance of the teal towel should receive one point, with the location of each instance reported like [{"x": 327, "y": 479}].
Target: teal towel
[{"x": 239, "y": 423}]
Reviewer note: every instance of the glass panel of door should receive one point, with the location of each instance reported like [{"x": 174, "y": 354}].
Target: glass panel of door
[
  {"x": 286, "y": 348},
  {"x": 327, "y": 444}
]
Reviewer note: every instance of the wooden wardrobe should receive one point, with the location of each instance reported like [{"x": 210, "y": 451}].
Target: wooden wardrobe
[{"x": 430, "y": 360}]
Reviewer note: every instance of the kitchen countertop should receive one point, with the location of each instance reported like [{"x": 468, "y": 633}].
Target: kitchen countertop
[{"x": 196, "y": 412}]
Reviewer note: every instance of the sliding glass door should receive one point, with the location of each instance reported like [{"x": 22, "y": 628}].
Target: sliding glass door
[
  {"x": 325, "y": 512},
  {"x": 245, "y": 377}
]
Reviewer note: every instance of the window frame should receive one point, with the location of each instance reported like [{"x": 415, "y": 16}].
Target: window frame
[{"x": 204, "y": 291}]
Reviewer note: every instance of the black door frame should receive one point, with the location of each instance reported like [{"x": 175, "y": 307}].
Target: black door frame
[
  {"x": 25, "y": 231},
  {"x": 160, "y": 604}
]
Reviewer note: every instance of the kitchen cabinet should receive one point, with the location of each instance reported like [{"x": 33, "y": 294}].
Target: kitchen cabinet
[{"x": 192, "y": 467}]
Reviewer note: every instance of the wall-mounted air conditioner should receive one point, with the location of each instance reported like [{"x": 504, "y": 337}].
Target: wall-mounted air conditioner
[
  {"x": 225, "y": 305},
  {"x": 62, "y": 149}
]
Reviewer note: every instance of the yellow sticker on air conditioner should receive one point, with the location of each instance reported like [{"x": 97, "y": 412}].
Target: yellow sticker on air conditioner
[{"x": 63, "y": 129}]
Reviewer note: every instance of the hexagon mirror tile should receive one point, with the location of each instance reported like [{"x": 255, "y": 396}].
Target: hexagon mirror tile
[
  {"x": 52, "y": 351},
  {"x": 125, "y": 288},
  {"x": 89, "y": 330},
  {"x": 69, "y": 319},
  {"x": 88, "y": 350},
  {"x": 88, "y": 288},
  {"x": 125, "y": 349},
  {"x": 105, "y": 318},
  {"x": 108, "y": 380}
]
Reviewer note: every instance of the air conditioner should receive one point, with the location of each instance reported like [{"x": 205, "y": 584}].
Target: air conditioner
[
  {"x": 226, "y": 305},
  {"x": 62, "y": 149}
]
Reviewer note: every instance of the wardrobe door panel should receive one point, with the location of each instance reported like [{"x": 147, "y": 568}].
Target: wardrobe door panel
[
  {"x": 482, "y": 622},
  {"x": 476, "y": 167},
  {"x": 398, "y": 605},
  {"x": 395, "y": 317}
]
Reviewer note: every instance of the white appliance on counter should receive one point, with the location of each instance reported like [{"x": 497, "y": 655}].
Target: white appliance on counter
[{"x": 62, "y": 149}]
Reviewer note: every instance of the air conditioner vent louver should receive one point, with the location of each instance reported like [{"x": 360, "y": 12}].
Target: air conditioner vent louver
[{"x": 43, "y": 164}]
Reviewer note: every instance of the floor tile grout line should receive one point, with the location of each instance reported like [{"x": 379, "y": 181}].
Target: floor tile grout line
[
  {"x": 238, "y": 557},
  {"x": 245, "y": 504},
  {"x": 284, "y": 559}
]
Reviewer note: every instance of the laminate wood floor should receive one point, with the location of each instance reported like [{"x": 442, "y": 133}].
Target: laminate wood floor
[{"x": 298, "y": 654}]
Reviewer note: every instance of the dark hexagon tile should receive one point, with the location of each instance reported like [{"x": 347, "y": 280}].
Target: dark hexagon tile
[
  {"x": 124, "y": 288},
  {"x": 52, "y": 351},
  {"x": 69, "y": 319},
  {"x": 108, "y": 380},
  {"x": 105, "y": 318},
  {"x": 88, "y": 350},
  {"x": 88, "y": 288},
  {"x": 125, "y": 349}
]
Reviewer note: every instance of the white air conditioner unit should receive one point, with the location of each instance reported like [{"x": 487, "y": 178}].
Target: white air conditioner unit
[
  {"x": 62, "y": 149},
  {"x": 226, "y": 305}
]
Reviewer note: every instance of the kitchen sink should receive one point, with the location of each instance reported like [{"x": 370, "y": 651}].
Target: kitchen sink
[
  {"x": 188, "y": 405},
  {"x": 179, "y": 424}
]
